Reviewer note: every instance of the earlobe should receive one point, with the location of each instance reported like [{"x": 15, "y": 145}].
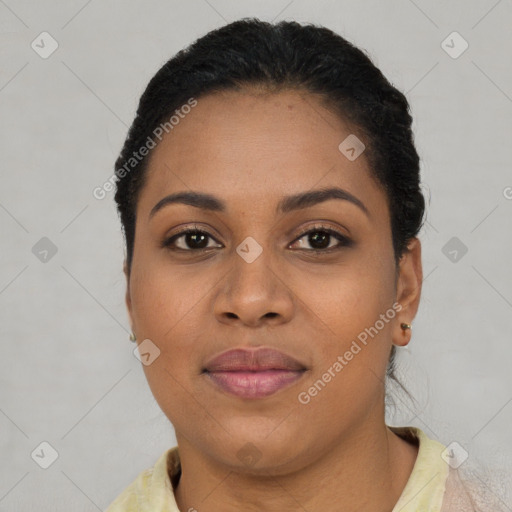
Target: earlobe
[{"x": 409, "y": 284}]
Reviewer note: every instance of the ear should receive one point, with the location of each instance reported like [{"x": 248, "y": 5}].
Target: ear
[
  {"x": 128, "y": 298},
  {"x": 408, "y": 292}
]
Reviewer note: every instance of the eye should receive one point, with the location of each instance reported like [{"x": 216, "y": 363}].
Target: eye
[
  {"x": 322, "y": 239},
  {"x": 190, "y": 240}
]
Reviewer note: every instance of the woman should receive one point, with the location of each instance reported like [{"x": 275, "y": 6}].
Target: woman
[{"x": 270, "y": 199}]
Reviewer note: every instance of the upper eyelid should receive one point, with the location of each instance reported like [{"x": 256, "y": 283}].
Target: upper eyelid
[
  {"x": 303, "y": 232},
  {"x": 313, "y": 229}
]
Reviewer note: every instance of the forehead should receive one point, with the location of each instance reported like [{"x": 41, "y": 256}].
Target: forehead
[{"x": 258, "y": 146}]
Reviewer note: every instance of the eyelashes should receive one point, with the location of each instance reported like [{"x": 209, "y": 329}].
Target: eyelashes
[
  {"x": 193, "y": 239},
  {"x": 326, "y": 234},
  {"x": 197, "y": 236}
]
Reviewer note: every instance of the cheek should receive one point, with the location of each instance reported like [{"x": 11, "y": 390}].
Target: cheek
[
  {"x": 166, "y": 305},
  {"x": 165, "y": 297},
  {"x": 351, "y": 297},
  {"x": 353, "y": 314},
  {"x": 348, "y": 380}
]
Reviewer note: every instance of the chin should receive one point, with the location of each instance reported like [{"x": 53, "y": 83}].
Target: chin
[{"x": 257, "y": 452}]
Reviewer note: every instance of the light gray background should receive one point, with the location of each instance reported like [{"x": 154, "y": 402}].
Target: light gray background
[{"x": 68, "y": 375}]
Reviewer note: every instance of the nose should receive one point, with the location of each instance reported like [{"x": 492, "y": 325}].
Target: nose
[{"x": 253, "y": 294}]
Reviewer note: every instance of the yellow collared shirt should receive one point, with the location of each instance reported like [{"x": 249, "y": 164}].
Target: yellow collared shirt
[{"x": 432, "y": 486}]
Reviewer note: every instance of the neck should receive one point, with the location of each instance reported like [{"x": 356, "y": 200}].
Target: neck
[{"x": 367, "y": 469}]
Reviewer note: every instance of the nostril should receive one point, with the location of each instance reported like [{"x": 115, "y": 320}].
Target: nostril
[{"x": 271, "y": 315}]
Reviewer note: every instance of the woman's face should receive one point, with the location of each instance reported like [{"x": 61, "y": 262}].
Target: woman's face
[{"x": 253, "y": 279}]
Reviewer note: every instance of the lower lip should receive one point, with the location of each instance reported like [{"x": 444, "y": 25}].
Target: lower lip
[{"x": 254, "y": 384}]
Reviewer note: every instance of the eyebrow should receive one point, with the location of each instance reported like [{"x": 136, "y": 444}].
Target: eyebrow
[{"x": 288, "y": 204}]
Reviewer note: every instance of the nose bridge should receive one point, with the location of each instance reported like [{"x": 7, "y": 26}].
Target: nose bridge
[
  {"x": 251, "y": 277},
  {"x": 253, "y": 290}
]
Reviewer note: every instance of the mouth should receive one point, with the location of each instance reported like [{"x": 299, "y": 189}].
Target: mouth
[
  {"x": 253, "y": 374},
  {"x": 254, "y": 384}
]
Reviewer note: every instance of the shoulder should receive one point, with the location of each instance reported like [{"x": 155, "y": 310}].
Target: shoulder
[
  {"x": 435, "y": 485},
  {"x": 152, "y": 490},
  {"x": 475, "y": 490},
  {"x": 130, "y": 500}
]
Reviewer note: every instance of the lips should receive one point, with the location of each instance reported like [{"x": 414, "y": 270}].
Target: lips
[
  {"x": 253, "y": 361},
  {"x": 253, "y": 374}
]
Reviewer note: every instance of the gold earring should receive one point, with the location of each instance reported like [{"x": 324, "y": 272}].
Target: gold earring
[
  {"x": 132, "y": 337},
  {"x": 405, "y": 326}
]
